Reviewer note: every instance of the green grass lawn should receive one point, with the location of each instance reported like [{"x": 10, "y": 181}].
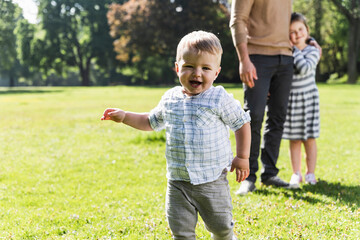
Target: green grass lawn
[{"x": 64, "y": 174}]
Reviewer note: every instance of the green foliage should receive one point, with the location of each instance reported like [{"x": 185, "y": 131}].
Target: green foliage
[
  {"x": 334, "y": 79},
  {"x": 73, "y": 35},
  {"x": 76, "y": 34},
  {"x": 64, "y": 174},
  {"x": 11, "y": 65},
  {"x": 350, "y": 9},
  {"x": 149, "y": 30},
  {"x": 332, "y": 39},
  {"x": 8, "y": 17},
  {"x": 24, "y": 35}
]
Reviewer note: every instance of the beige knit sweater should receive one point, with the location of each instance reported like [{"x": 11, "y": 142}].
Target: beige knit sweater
[{"x": 263, "y": 24}]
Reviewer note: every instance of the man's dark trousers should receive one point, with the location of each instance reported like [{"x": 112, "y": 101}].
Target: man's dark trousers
[{"x": 270, "y": 94}]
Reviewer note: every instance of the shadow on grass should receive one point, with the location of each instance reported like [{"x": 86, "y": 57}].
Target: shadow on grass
[
  {"x": 289, "y": 193},
  {"x": 348, "y": 195},
  {"x": 28, "y": 91}
]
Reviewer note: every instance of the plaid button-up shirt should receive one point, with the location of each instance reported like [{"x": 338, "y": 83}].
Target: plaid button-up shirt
[{"x": 198, "y": 147}]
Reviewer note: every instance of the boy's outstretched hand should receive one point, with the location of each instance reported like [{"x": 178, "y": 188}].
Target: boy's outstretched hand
[
  {"x": 241, "y": 166},
  {"x": 115, "y": 114}
]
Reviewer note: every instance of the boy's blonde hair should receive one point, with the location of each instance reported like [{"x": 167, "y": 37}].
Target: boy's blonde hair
[{"x": 199, "y": 41}]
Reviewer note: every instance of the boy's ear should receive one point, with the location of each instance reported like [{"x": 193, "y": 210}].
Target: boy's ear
[
  {"x": 217, "y": 73},
  {"x": 176, "y": 67}
]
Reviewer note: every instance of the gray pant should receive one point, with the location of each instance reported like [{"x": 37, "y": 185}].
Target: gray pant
[
  {"x": 271, "y": 92},
  {"x": 211, "y": 200}
]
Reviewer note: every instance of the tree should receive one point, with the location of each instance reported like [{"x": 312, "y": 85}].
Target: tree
[
  {"x": 351, "y": 10},
  {"x": 74, "y": 33},
  {"x": 9, "y": 14},
  {"x": 322, "y": 16},
  {"x": 148, "y": 31}
]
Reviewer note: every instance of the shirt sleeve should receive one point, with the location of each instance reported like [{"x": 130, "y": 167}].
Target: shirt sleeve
[
  {"x": 305, "y": 61},
  {"x": 240, "y": 11},
  {"x": 232, "y": 113},
  {"x": 156, "y": 117}
]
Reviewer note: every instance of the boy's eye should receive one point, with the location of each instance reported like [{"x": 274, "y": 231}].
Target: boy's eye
[
  {"x": 188, "y": 66},
  {"x": 206, "y": 68}
]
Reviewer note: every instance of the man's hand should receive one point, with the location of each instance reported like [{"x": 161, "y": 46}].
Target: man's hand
[
  {"x": 314, "y": 43},
  {"x": 241, "y": 165},
  {"x": 115, "y": 114},
  {"x": 248, "y": 73}
]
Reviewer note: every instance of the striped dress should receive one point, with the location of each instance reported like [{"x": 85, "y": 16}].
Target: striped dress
[{"x": 303, "y": 115}]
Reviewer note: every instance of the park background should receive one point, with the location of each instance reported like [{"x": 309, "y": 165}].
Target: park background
[
  {"x": 64, "y": 174},
  {"x": 89, "y": 42}
]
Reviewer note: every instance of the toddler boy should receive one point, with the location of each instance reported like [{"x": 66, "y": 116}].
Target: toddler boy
[{"x": 196, "y": 117}]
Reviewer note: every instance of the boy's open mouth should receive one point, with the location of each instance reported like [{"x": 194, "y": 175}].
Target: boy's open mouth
[{"x": 195, "y": 84}]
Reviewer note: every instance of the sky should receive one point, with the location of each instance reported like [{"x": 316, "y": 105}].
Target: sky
[{"x": 30, "y": 9}]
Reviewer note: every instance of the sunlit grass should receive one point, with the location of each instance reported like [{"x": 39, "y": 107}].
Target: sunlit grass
[{"x": 66, "y": 174}]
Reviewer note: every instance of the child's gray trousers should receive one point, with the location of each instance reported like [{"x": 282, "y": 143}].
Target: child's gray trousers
[{"x": 211, "y": 200}]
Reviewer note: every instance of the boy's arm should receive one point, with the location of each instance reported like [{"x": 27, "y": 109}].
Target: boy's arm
[
  {"x": 136, "y": 120},
  {"x": 241, "y": 162}
]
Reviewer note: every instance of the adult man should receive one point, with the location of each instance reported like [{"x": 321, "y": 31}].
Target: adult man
[{"x": 260, "y": 30}]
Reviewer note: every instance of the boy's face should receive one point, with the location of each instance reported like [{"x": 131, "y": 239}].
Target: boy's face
[{"x": 197, "y": 71}]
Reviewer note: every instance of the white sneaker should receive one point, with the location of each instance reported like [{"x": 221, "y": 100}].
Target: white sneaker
[
  {"x": 295, "y": 180},
  {"x": 245, "y": 187},
  {"x": 310, "y": 178}
]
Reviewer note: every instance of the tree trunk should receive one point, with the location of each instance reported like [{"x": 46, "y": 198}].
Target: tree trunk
[
  {"x": 85, "y": 79},
  {"x": 85, "y": 73},
  {"x": 317, "y": 33},
  {"x": 11, "y": 81},
  {"x": 353, "y": 50},
  {"x": 318, "y": 17},
  {"x": 354, "y": 36}
]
